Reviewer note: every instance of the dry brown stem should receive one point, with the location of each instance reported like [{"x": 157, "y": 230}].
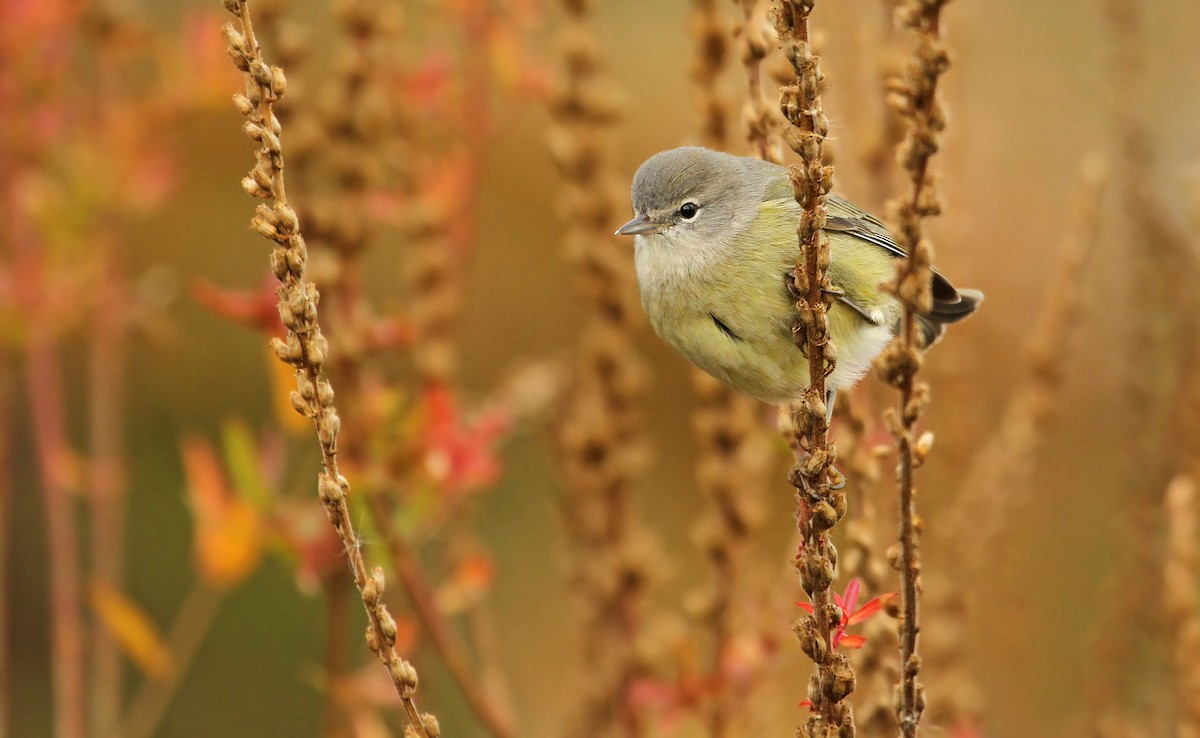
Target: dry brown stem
[
  {"x": 108, "y": 337},
  {"x": 712, "y": 50},
  {"x": 6, "y": 489},
  {"x": 1166, "y": 330},
  {"x": 1180, "y": 602},
  {"x": 993, "y": 488},
  {"x": 191, "y": 625},
  {"x": 305, "y": 348},
  {"x": 756, "y": 39},
  {"x": 887, "y": 131},
  {"x": 916, "y": 100},
  {"x": 44, "y": 380},
  {"x": 862, "y": 557},
  {"x": 997, "y": 483},
  {"x": 820, "y": 497},
  {"x": 732, "y": 458},
  {"x": 599, "y": 431}
]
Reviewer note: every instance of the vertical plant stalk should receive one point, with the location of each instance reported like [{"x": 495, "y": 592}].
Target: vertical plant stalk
[
  {"x": 421, "y": 595},
  {"x": 917, "y": 101},
  {"x": 599, "y": 435},
  {"x": 861, "y": 558},
  {"x": 879, "y": 158},
  {"x": 731, "y": 469},
  {"x": 44, "y": 383},
  {"x": 107, "y": 494},
  {"x": 712, "y": 51},
  {"x": 107, "y": 346},
  {"x": 66, "y": 648},
  {"x": 995, "y": 485},
  {"x": 821, "y": 501},
  {"x": 1161, "y": 388},
  {"x": 305, "y": 348},
  {"x": 756, "y": 41},
  {"x": 188, "y": 631},
  {"x": 1181, "y": 602},
  {"x": 6, "y": 404}
]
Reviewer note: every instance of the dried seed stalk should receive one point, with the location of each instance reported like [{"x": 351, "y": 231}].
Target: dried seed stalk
[
  {"x": 916, "y": 100},
  {"x": 712, "y": 50},
  {"x": 1180, "y": 601},
  {"x": 305, "y": 348},
  {"x": 732, "y": 458},
  {"x": 757, "y": 39},
  {"x": 600, "y": 447},
  {"x": 993, "y": 488},
  {"x": 819, "y": 504}
]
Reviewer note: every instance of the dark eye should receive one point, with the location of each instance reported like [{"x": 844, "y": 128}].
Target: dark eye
[{"x": 688, "y": 210}]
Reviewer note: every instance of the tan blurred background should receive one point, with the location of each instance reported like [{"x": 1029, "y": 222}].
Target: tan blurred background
[{"x": 1029, "y": 97}]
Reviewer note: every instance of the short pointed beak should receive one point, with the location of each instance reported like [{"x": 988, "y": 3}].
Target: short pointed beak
[{"x": 640, "y": 224}]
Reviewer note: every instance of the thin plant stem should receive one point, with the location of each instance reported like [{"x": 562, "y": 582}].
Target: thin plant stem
[
  {"x": 106, "y": 498},
  {"x": 820, "y": 499},
  {"x": 449, "y": 646},
  {"x": 107, "y": 346},
  {"x": 731, "y": 467},
  {"x": 917, "y": 101},
  {"x": 44, "y": 378},
  {"x": 1182, "y": 602},
  {"x": 192, "y": 624},
  {"x": 599, "y": 433},
  {"x": 305, "y": 348},
  {"x": 755, "y": 43},
  {"x": 6, "y": 403},
  {"x": 336, "y": 618}
]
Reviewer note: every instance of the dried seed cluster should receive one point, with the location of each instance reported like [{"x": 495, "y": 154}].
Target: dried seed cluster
[
  {"x": 821, "y": 499},
  {"x": 712, "y": 45},
  {"x": 599, "y": 432},
  {"x": 733, "y": 456},
  {"x": 756, "y": 39},
  {"x": 304, "y": 347},
  {"x": 915, "y": 99}
]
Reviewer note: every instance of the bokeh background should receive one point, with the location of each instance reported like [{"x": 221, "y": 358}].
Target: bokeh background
[{"x": 1036, "y": 89}]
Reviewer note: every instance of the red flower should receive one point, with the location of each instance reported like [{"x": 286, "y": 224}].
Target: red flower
[
  {"x": 847, "y": 602},
  {"x": 460, "y": 452}
]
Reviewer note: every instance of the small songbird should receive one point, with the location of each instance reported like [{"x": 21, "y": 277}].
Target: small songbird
[{"x": 716, "y": 244}]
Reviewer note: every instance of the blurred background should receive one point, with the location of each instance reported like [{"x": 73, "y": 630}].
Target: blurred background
[{"x": 157, "y": 491}]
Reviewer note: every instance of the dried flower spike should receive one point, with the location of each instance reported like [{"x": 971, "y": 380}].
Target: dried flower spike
[
  {"x": 916, "y": 101},
  {"x": 820, "y": 498},
  {"x": 305, "y": 348}
]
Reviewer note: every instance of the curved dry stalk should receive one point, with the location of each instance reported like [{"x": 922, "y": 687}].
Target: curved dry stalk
[
  {"x": 305, "y": 348},
  {"x": 821, "y": 499},
  {"x": 917, "y": 101}
]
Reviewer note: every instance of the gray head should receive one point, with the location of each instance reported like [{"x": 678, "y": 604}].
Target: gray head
[{"x": 695, "y": 195}]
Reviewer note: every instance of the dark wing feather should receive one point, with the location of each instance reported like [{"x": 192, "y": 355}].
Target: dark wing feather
[{"x": 950, "y": 305}]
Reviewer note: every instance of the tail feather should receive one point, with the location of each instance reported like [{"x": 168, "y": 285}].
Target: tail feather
[{"x": 946, "y": 310}]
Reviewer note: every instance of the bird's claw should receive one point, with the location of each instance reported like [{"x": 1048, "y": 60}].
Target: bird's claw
[{"x": 789, "y": 281}]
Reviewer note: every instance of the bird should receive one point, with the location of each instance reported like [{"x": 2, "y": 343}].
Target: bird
[{"x": 714, "y": 249}]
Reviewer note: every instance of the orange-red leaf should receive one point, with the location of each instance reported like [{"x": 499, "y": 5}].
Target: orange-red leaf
[
  {"x": 852, "y": 641},
  {"x": 871, "y": 608},
  {"x": 133, "y": 631},
  {"x": 228, "y": 534}
]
